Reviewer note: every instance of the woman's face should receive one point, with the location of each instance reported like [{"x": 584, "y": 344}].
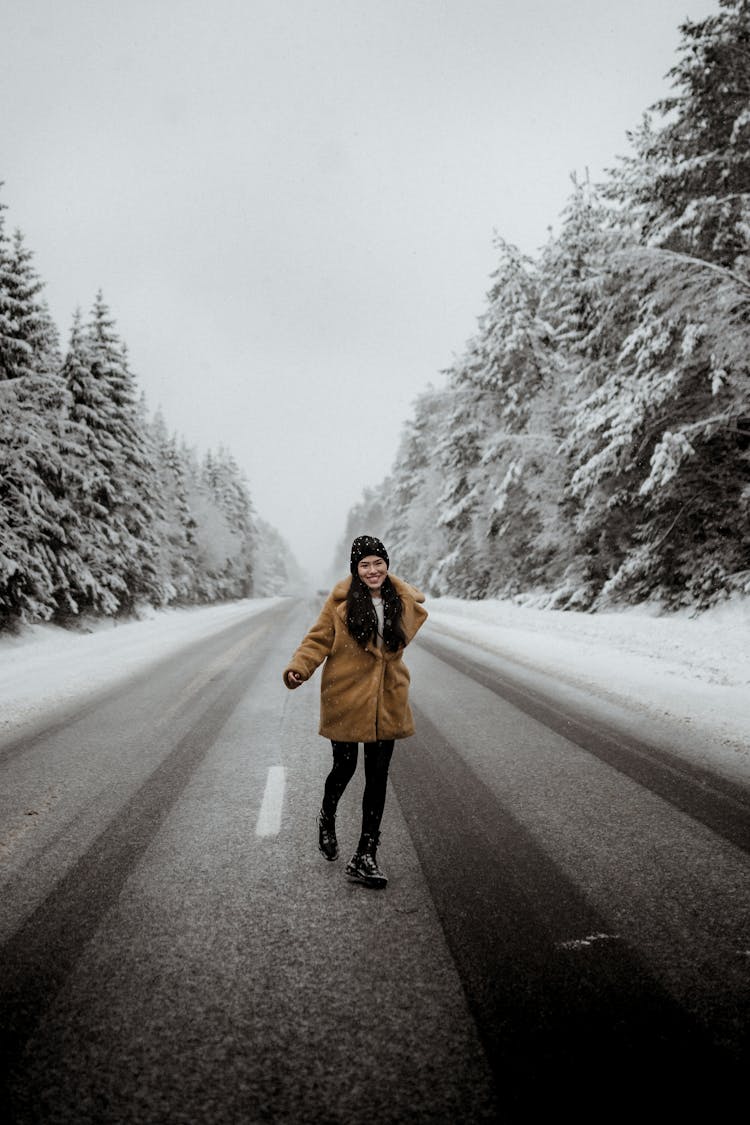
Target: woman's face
[{"x": 372, "y": 570}]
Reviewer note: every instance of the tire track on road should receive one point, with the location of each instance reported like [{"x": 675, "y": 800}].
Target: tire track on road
[
  {"x": 716, "y": 802},
  {"x": 37, "y": 959},
  {"x": 59, "y": 717},
  {"x": 559, "y": 1001}
]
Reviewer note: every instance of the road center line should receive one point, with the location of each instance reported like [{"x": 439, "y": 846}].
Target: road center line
[{"x": 269, "y": 817}]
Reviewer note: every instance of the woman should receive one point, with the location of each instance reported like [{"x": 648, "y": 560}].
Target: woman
[{"x": 361, "y": 633}]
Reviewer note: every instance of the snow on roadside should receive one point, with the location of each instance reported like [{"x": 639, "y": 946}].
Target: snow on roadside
[
  {"x": 46, "y": 667},
  {"x": 690, "y": 674}
]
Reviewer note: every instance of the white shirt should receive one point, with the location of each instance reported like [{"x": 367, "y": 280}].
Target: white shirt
[{"x": 378, "y": 607}]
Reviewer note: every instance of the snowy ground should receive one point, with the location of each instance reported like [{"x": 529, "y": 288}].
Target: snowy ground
[
  {"x": 684, "y": 680},
  {"x": 46, "y": 667},
  {"x": 690, "y": 675}
]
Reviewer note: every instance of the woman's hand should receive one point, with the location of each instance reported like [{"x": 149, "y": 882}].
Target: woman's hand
[{"x": 293, "y": 679}]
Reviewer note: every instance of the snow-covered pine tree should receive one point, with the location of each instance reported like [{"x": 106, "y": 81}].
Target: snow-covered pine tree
[
  {"x": 97, "y": 585},
  {"x": 120, "y": 493},
  {"x": 15, "y": 353},
  {"x": 574, "y": 278},
  {"x": 228, "y": 526},
  {"x": 29, "y": 343},
  {"x": 458, "y": 449},
  {"x": 208, "y": 530},
  {"x": 416, "y": 540},
  {"x": 687, "y": 180},
  {"x": 670, "y": 431},
  {"x": 175, "y": 522},
  {"x": 590, "y": 308},
  {"x": 495, "y": 449},
  {"x": 275, "y": 571},
  {"x": 39, "y": 530},
  {"x": 662, "y": 442}
]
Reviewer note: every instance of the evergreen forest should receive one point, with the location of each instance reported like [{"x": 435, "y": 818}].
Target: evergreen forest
[
  {"x": 591, "y": 445},
  {"x": 102, "y": 509}
]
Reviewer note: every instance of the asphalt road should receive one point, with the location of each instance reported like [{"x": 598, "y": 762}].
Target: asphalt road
[{"x": 566, "y": 927}]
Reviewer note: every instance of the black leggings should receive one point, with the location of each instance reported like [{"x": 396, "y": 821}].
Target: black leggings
[{"x": 377, "y": 761}]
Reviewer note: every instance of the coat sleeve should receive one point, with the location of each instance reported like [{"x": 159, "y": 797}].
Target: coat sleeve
[
  {"x": 414, "y": 612},
  {"x": 315, "y": 647}
]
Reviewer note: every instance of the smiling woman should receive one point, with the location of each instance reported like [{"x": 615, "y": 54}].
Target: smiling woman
[{"x": 364, "y": 626}]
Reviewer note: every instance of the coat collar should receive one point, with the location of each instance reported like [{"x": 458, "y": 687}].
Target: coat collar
[
  {"x": 403, "y": 589},
  {"x": 410, "y": 597}
]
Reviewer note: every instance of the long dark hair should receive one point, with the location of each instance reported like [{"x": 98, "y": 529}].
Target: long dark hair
[{"x": 362, "y": 621}]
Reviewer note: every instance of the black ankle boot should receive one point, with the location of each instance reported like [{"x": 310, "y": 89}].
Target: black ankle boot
[
  {"x": 327, "y": 841},
  {"x": 363, "y": 866}
]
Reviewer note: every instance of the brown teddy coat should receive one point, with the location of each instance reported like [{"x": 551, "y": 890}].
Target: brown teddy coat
[{"x": 364, "y": 693}]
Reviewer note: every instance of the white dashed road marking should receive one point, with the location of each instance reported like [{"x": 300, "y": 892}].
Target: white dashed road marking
[
  {"x": 269, "y": 817},
  {"x": 586, "y": 942}
]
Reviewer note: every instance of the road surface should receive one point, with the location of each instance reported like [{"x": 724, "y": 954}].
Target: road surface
[{"x": 566, "y": 926}]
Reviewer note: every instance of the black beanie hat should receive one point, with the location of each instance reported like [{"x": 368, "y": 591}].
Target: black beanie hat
[{"x": 363, "y": 546}]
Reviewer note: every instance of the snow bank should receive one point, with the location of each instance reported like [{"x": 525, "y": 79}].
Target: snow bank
[
  {"x": 690, "y": 674},
  {"x": 47, "y": 667}
]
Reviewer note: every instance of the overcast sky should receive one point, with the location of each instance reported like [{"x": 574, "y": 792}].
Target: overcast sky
[{"x": 290, "y": 204}]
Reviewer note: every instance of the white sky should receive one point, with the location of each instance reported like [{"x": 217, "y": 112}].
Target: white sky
[{"x": 290, "y": 204}]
